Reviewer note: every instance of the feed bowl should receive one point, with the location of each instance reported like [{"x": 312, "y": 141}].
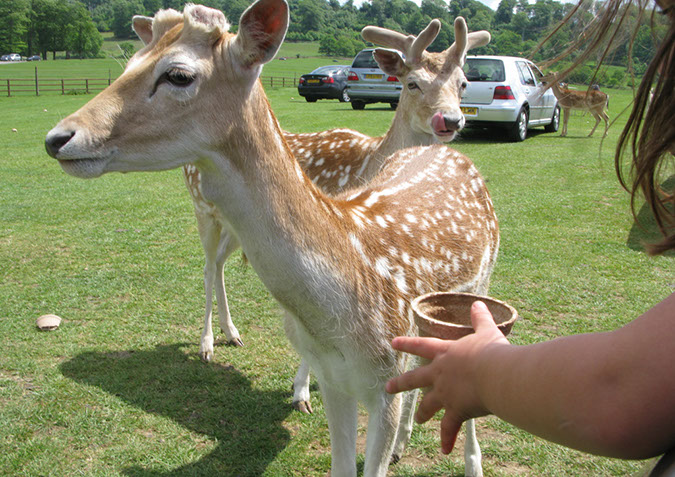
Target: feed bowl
[{"x": 447, "y": 315}]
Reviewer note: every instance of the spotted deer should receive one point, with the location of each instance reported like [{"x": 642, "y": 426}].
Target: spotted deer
[
  {"x": 340, "y": 159},
  {"x": 593, "y": 100},
  {"x": 344, "y": 268}
]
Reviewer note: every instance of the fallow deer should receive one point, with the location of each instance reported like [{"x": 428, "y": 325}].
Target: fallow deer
[
  {"x": 340, "y": 159},
  {"x": 344, "y": 268},
  {"x": 592, "y": 100}
]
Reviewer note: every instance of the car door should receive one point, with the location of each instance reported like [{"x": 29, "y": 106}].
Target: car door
[
  {"x": 529, "y": 88},
  {"x": 548, "y": 100}
]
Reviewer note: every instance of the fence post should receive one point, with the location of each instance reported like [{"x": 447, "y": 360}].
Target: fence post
[
  {"x": 109, "y": 78},
  {"x": 86, "y": 85},
  {"x": 8, "y": 90},
  {"x": 63, "y": 87},
  {"x": 37, "y": 88}
]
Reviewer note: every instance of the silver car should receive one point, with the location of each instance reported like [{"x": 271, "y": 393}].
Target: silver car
[
  {"x": 507, "y": 92},
  {"x": 367, "y": 83}
]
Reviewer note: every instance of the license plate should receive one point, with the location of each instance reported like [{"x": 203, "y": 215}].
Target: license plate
[
  {"x": 313, "y": 81},
  {"x": 371, "y": 76},
  {"x": 469, "y": 111}
]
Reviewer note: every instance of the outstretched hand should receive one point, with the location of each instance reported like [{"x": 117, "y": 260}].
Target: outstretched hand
[{"x": 451, "y": 378}]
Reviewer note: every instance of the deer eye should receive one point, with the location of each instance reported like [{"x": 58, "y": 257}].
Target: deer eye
[
  {"x": 179, "y": 78},
  {"x": 412, "y": 85},
  {"x": 463, "y": 85}
]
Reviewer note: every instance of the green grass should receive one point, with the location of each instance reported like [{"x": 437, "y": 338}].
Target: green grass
[{"x": 119, "y": 388}]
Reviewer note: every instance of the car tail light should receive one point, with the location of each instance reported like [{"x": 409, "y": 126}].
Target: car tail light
[
  {"x": 302, "y": 80},
  {"x": 352, "y": 76},
  {"x": 391, "y": 79},
  {"x": 328, "y": 80},
  {"x": 503, "y": 92}
]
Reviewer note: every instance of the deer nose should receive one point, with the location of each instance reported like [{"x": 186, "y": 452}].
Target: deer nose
[
  {"x": 453, "y": 123},
  {"x": 56, "y": 140},
  {"x": 447, "y": 123}
]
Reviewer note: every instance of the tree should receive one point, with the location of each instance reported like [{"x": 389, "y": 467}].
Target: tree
[
  {"x": 82, "y": 36},
  {"x": 14, "y": 20},
  {"x": 504, "y": 12},
  {"x": 123, "y": 11}
]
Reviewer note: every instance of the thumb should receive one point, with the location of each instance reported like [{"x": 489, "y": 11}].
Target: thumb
[{"x": 481, "y": 318}]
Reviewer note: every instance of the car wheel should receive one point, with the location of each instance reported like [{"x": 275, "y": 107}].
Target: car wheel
[
  {"x": 393, "y": 106},
  {"x": 555, "y": 121},
  {"x": 518, "y": 131},
  {"x": 358, "y": 105},
  {"x": 310, "y": 99},
  {"x": 344, "y": 97}
]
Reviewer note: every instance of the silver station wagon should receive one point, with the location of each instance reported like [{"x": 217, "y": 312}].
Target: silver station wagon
[
  {"x": 507, "y": 92},
  {"x": 369, "y": 84}
]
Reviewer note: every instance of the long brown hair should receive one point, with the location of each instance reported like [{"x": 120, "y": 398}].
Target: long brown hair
[{"x": 649, "y": 134}]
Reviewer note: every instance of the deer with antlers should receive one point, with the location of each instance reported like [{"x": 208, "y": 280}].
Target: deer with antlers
[
  {"x": 592, "y": 100},
  {"x": 340, "y": 159},
  {"x": 344, "y": 268}
]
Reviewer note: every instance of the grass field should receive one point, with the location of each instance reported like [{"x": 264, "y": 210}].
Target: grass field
[
  {"x": 298, "y": 59},
  {"x": 119, "y": 389}
]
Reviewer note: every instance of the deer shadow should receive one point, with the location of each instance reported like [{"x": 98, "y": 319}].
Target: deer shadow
[
  {"x": 644, "y": 229},
  {"x": 214, "y": 400}
]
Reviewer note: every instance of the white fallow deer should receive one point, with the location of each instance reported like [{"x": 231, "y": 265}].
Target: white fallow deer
[
  {"x": 593, "y": 100},
  {"x": 345, "y": 268},
  {"x": 340, "y": 159}
]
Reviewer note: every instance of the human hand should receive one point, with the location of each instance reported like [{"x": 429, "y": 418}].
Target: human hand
[{"x": 453, "y": 376}]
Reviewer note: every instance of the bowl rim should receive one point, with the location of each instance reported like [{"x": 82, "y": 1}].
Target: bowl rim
[{"x": 415, "y": 307}]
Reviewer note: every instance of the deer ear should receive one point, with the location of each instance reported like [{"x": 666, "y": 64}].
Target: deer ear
[
  {"x": 262, "y": 29},
  {"x": 143, "y": 28},
  {"x": 390, "y": 62}
]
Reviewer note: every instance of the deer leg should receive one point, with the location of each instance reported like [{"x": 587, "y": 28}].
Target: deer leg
[
  {"x": 597, "y": 121},
  {"x": 209, "y": 233},
  {"x": 472, "y": 454},
  {"x": 226, "y": 245},
  {"x": 405, "y": 425},
  {"x": 566, "y": 117},
  {"x": 605, "y": 117},
  {"x": 384, "y": 418},
  {"x": 342, "y": 413},
  {"x": 301, "y": 389}
]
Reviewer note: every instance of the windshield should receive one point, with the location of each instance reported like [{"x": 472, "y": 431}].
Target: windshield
[
  {"x": 365, "y": 60},
  {"x": 483, "y": 69},
  {"x": 327, "y": 70}
]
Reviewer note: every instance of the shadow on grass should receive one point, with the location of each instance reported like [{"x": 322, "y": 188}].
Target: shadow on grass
[
  {"x": 215, "y": 400},
  {"x": 645, "y": 230}
]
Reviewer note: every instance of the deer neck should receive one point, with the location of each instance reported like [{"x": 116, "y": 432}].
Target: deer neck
[
  {"x": 288, "y": 229},
  {"x": 402, "y": 134}
]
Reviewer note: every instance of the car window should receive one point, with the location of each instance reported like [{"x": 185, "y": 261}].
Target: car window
[
  {"x": 365, "y": 60},
  {"x": 525, "y": 73},
  {"x": 484, "y": 69},
  {"x": 325, "y": 70}
]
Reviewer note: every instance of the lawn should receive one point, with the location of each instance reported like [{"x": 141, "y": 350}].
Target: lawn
[{"x": 119, "y": 389}]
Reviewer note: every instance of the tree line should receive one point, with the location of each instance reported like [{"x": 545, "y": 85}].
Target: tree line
[{"x": 40, "y": 26}]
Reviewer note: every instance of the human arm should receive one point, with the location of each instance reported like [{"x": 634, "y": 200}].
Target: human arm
[{"x": 608, "y": 393}]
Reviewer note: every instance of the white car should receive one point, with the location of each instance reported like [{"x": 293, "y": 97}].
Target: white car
[
  {"x": 507, "y": 92},
  {"x": 14, "y": 57}
]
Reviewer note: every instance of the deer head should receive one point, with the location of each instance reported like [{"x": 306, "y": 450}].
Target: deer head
[
  {"x": 166, "y": 99},
  {"x": 433, "y": 83}
]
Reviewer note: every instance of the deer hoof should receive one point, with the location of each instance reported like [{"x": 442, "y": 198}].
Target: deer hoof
[
  {"x": 394, "y": 459},
  {"x": 206, "y": 356},
  {"x": 303, "y": 406},
  {"x": 237, "y": 342}
]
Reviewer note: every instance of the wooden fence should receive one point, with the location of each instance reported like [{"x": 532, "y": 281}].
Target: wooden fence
[{"x": 37, "y": 86}]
